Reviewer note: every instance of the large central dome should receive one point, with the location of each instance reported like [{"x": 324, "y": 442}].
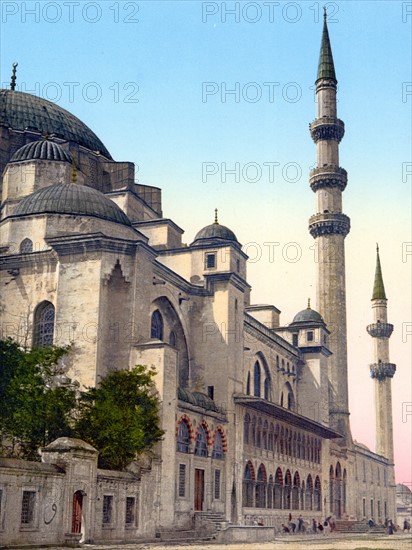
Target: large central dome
[
  {"x": 71, "y": 198},
  {"x": 21, "y": 111}
]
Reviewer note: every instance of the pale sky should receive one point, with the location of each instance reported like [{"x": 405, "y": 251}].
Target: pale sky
[{"x": 214, "y": 107}]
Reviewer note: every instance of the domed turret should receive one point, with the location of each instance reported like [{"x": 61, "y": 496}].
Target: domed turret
[
  {"x": 215, "y": 234},
  {"x": 70, "y": 198},
  {"x": 42, "y": 150},
  {"x": 307, "y": 315}
]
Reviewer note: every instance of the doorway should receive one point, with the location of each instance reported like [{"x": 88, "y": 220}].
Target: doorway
[
  {"x": 199, "y": 489},
  {"x": 77, "y": 512}
]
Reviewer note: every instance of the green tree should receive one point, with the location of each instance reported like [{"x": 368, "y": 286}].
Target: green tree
[
  {"x": 37, "y": 399},
  {"x": 120, "y": 417}
]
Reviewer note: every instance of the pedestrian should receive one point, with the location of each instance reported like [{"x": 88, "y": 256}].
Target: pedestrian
[
  {"x": 390, "y": 527},
  {"x": 292, "y": 526},
  {"x": 300, "y": 524},
  {"x": 320, "y": 527},
  {"x": 371, "y": 523},
  {"x": 285, "y": 529},
  {"x": 314, "y": 526}
]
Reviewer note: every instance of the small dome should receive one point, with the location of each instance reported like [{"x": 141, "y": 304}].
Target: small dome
[
  {"x": 197, "y": 398},
  {"x": 71, "y": 198},
  {"x": 214, "y": 233},
  {"x": 69, "y": 443},
  {"x": 308, "y": 315},
  {"x": 42, "y": 150}
]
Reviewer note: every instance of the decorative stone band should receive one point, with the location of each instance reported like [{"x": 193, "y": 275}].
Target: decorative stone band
[
  {"x": 380, "y": 330},
  {"x": 380, "y": 370},
  {"x": 327, "y": 128},
  {"x": 328, "y": 176},
  {"x": 325, "y": 84},
  {"x": 329, "y": 223}
]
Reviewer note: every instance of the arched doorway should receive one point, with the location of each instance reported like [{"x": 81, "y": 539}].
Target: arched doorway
[
  {"x": 77, "y": 513},
  {"x": 338, "y": 491}
]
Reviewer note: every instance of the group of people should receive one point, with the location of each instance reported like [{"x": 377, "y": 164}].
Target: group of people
[
  {"x": 302, "y": 526},
  {"x": 391, "y": 528}
]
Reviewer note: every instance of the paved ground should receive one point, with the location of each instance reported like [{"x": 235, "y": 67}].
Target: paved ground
[{"x": 331, "y": 542}]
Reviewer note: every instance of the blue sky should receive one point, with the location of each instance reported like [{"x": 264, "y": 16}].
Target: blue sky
[{"x": 139, "y": 72}]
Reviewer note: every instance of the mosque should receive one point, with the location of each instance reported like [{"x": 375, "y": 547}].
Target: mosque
[{"x": 255, "y": 411}]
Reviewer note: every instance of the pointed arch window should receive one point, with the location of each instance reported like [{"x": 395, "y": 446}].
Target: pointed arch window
[
  {"x": 44, "y": 325},
  {"x": 26, "y": 246},
  {"x": 157, "y": 325},
  {"x": 172, "y": 339},
  {"x": 257, "y": 379},
  {"x": 248, "y": 384},
  {"x": 201, "y": 442},
  {"x": 218, "y": 446},
  {"x": 183, "y": 437}
]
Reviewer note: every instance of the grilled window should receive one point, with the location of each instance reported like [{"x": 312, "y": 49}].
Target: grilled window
[
  {"x": 27, "y": 507},
  {"x": 182, "y": 480},
  {"x": 130, "y": 511},
  {"x": 217, "y": 484},
  {"x": 107, "y": 509}
]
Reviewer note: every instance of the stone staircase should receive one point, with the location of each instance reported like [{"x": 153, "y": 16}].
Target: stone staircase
[
  {"x": 347, "y": 526},
  {"x": 213, "y": 520}
]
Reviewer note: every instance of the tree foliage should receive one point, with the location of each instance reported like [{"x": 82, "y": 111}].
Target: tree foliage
[
  {"x": 37, "y": 399},
  {"x": 39, "y": 403},
  {"x": 120, "y": 417}
]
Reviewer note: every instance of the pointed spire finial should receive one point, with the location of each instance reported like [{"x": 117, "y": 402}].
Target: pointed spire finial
[
  {"x": 326, "y": 67},
  {"x": 216, "y": 220},
  {"x": 74, "y": 168},
  {"x": 378, "y": 286},
  {"x": 309, "y": 303},
  {"x": 13, "y": 77}
]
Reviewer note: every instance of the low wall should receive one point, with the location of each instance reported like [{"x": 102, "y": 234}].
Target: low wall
[{"x": 245, "y": 533}]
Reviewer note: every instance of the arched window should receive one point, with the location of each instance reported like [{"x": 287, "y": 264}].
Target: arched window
[
  {"x": 183, "y": 437},
  {"x": 172, "y": 338},
  {"x": 218, "y": 446},
  {"x": 157, "y": 325},
  {"x": 26, "y": 246},
  {"x": 261, "y": 487},
  {"x": 246, "y": 429},
  {"x": 318, "y": 495},
  {"x": 271, "y": 440},
  {"x": 254, "y": 430},
  {"x": 248, "y": 384},
  {"x": 256, "y": 379},
  {"x": 43, "y": 325},
  {"x": 278, "y": 490},
  {"x": 265, "y": 435},
  {"x": 295, "y": 491},
  {"x": 287, "y": 490},
  {"x": 309, "y": 493},
  {"x": 248, "y": 484},
  {"x": 259, "y": 433},
  {"x": 201, "y": 442}
]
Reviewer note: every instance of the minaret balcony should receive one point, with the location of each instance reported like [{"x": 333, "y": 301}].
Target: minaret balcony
[
  {"x": 327, "y": 128},
  {"x": 329, "y": 223},
  {"x": 328, "y": 176},
  {"x": 380, "y": 330},
  {"x": 381, "y": 371}
]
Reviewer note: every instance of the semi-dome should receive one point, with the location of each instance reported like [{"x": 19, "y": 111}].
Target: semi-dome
[
  {"x": 71, "y": 198},
  {"x": 22, "y": 111},
  {"x": 307, "y": 315},
  {"x": 215, "y": 233},
  {"x": 42, "y": 150}
]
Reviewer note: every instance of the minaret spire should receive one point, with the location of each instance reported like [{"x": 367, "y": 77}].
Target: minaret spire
[
  {"x": 378, "y": 286},
  {"x": 326, "y": 67}
]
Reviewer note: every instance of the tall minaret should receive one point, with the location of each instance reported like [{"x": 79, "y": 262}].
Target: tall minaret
[
  {"x": 329, "y": 228},
  {"x": 382, "y": 370}
]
